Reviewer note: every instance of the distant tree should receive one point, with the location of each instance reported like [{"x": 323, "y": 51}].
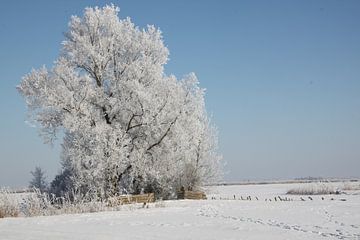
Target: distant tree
[
  {"x": 39, "y": 180},
  {"x": 63, "y": 183},
  {"x": 130, "y": 126}
]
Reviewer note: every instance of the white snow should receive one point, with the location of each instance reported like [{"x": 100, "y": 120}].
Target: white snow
[{"x": 206, "y": 219}]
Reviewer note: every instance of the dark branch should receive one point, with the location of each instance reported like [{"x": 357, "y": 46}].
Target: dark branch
[
  {"x": 106, "y": 115},
  {"x": 67, "y": 110},
  {"x": 163, "y": 136}
]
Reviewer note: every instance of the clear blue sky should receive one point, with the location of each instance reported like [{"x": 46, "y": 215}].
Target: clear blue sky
[{"x": 282, "y": 79}]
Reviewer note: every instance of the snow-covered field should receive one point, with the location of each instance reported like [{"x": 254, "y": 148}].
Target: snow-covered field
[{"x": 330, "y": 218}]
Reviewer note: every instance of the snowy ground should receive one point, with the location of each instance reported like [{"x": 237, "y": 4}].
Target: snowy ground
[{"x": 207, "y": 219}]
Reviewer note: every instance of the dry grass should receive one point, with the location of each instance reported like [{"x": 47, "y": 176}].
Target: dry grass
[
  {"x": 42, "y": 204},
  {"x": 313, "y": 189},
  {"x": 8, "y": 212},
  {"x": 8, "y": 206},
  {"x": 351, "y": 186}
]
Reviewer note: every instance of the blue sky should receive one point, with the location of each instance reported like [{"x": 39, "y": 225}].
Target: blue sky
[{"x": 282, "y": 79}]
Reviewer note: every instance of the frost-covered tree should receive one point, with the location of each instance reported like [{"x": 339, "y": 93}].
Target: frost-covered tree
[
  {"x": 38, "y": 180},
  {"x": 128, "y": 126}
]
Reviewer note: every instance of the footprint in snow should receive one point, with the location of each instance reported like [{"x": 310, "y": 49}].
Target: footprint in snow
[{"x": 208, "y": 211}]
